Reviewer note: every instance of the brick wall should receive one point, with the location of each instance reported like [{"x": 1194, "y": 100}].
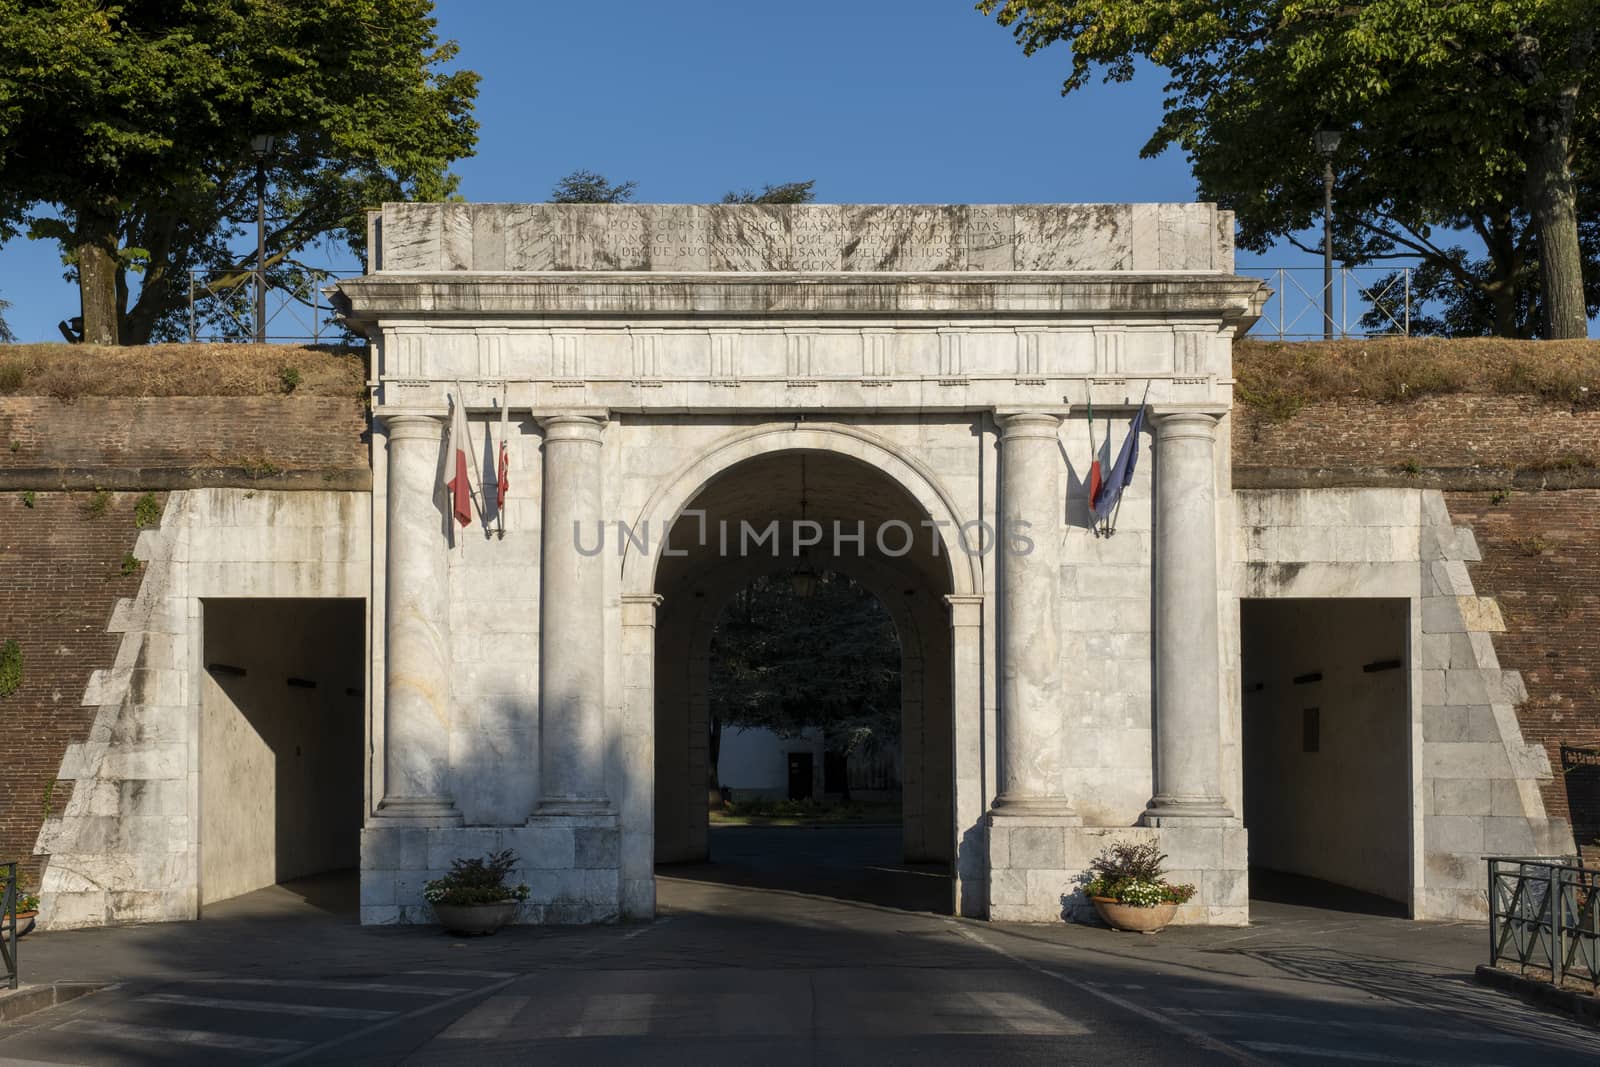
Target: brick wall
[
  {"x": 61, "y": 572},
  {"x": 1522, "y": 473},
  {"x": 1541, "y": 561},
  {"x": 1480, "y": 437},
  {"x": 172, "y": 442}
]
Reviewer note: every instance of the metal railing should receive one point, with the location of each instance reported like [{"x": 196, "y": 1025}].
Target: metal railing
[
  {"x": 1545, "y": 914},
  {"x": 8, "y": 924},
  {"x": 222, "y": 305},
  {"x": 1367, "y": 302}
]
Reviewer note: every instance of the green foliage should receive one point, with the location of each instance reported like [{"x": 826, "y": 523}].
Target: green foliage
[
  {"x": 289, "y": 379},
  {"x": 784, "y": 193},
  {"x": 588, "y": 187},
  {"x": 788, "y": 663},
  {"x": 146, "y": 511},
  {"x": 6, "y": 336},
  {"x": 10, "y": 667},
  {"x": 125, "y": 132},
  {"x": 28, "y": 902},
  {"x": 46, "y": 806},
  {"x": 477, "y": 881},
  {"x": 1452, "y": 114},
  {"x": 98, "y": 503},
  {"x": 29, "y": 498},
  {"x": 129, "y": 565},
  {"x": 1133, "y": 873}
]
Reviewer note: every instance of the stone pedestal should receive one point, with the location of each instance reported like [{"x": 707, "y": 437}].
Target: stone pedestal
[
  {"x": 1188, "y": 724},
  {"x": 572, "y": 730},
  {"x": 416, "y": 752},
  {"x": 1031, "y": 719}
]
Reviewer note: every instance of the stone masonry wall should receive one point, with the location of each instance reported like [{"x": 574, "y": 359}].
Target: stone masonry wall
[{"x": 1522, "y": 473}]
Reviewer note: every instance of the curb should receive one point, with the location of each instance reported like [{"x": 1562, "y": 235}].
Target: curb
[
  {"x": 1542, "y": 994},
  {"x": 32, "y": 998}
]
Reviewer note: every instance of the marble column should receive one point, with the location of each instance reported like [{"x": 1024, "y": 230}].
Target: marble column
[
  {"x": 572, "y": 729},
  {"x": 416, "y": 657},
  {"x": 1031, "y": 715},
  {"x": 1188, "y": 725}
]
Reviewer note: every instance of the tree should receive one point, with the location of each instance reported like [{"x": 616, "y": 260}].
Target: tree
[
  {"x": 587, "y": 187},
  {"x": 6, "y": 336},
  {"x": 829, "y": 661},
  {"x": 125, "y": 134},
  {"x": 785, "y": 193},
  {"x": 1457, "y": 115}
]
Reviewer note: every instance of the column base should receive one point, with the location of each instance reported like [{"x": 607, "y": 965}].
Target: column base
[
  {"x": 1188, "y": 811},
  {"x": 1057, "y": 809},
  {"x": 418, "y": 811}
]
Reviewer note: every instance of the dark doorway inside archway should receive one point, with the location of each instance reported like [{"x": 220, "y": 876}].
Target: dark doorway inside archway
[
  {"x": 1327, "y": 752},
  {"x": 281, "y": 739},
  {"x": 803, "y": 714}
]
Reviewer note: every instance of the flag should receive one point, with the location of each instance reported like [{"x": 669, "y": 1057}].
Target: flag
[
  {"x": 456, "y": 459},
  {"x": 1121, "y": 473},
  {"x": 503, "y": 475},
  {"x": 1094, "y": 467}
]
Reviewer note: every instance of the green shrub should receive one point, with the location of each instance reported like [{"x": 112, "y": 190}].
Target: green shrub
[
  {"x": 98, "y": 503},
  {"x": 289, "y": 379},
  {"x": 29, "y": 498},
  {"x": 1133, "y": 874},
  {"x": 129, "y": 565},
  {"x": 147, "y": 511},
  {"x": 477, "y": 881},
  {"x": 10, "y": 667}
]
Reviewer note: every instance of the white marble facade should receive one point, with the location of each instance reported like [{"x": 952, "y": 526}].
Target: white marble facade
[{"x": 935, "y": 366}]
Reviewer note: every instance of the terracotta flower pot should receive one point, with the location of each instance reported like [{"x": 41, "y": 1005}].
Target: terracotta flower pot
[
  {"x": 475, "y": 919},
  {"x": 1133, "y": 917}
]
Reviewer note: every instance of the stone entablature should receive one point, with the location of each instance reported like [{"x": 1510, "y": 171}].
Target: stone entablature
[{"x": 805, "y": 238}]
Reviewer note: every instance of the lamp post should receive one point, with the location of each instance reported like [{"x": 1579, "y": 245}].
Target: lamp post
[
  {"x": 261, "y": 145},
  {"x": 1327, "y": 142}
]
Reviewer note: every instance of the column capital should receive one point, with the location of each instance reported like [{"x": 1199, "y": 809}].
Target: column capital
[
  {"x": 585, "y": 428},
  {"x": 410, "y": 425},
  {"x": 1177, "y": 424},
  {"x": 966, "y": 609},
  {"x": 1025, "y": 424}
]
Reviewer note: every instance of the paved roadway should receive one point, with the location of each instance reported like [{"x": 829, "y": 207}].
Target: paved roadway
[{"x": 784, "y": 952}]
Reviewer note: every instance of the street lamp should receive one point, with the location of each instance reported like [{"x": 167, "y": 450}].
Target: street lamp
[
  {"x": 261, "y": 145},
  {"x": 1327, "y": 142}
]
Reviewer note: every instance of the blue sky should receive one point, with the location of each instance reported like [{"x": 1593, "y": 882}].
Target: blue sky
[{"x": 914, "y": 101}]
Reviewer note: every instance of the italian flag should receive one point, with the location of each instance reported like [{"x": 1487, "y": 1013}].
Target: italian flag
[{"x": 456, "y": 453}]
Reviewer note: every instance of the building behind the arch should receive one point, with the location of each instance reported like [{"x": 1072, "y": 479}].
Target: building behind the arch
[{"x": 1296, "y": 679}]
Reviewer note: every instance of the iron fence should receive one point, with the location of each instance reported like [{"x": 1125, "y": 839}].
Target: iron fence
[
  {"x": 222, "y": 306},
  {"x": 8, "y": 924},
  {"x": 1543, "y": 915},
  {"x": 1367, "y": 302}
]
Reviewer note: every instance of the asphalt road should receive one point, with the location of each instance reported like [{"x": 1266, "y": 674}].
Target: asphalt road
[{"x": 797, "y": 947}]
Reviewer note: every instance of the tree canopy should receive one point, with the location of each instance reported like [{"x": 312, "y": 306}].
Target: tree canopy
[
  {"x": 589, "y": 187},
  {"x": 6, "y": 337},
  {"x": 829, "y": 661},
  {"x": 1455, "y": 115},
  {"x": 126, "y": 130}
]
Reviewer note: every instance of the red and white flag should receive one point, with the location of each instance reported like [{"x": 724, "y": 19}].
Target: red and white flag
[
  {"x": 503, "y": 471},
  {"x": 456, "y": 459}
]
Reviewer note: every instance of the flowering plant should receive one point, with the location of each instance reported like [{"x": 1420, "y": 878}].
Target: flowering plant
[
  {"x": 1132, "y": 874},
  {"x": 477, "y": 881}
]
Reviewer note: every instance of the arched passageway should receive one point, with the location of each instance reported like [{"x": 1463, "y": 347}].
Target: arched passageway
[{"x": 817, "y": 512}]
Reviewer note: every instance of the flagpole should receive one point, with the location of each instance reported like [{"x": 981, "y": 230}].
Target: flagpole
[{"x": 1111, "y": 526}]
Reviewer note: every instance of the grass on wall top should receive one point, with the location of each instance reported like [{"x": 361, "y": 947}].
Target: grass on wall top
[
  {"x": 67, "y": 371},
  {"x": 1277, "y": 378}
]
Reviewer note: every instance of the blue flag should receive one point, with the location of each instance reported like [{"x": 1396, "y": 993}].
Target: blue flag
[{"x": 1121, "y": 473}]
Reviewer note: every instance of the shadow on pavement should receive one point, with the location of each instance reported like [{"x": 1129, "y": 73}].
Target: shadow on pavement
[
  {"x": 1280, "y": 887},
  {"x": 860, "y": 864}
]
